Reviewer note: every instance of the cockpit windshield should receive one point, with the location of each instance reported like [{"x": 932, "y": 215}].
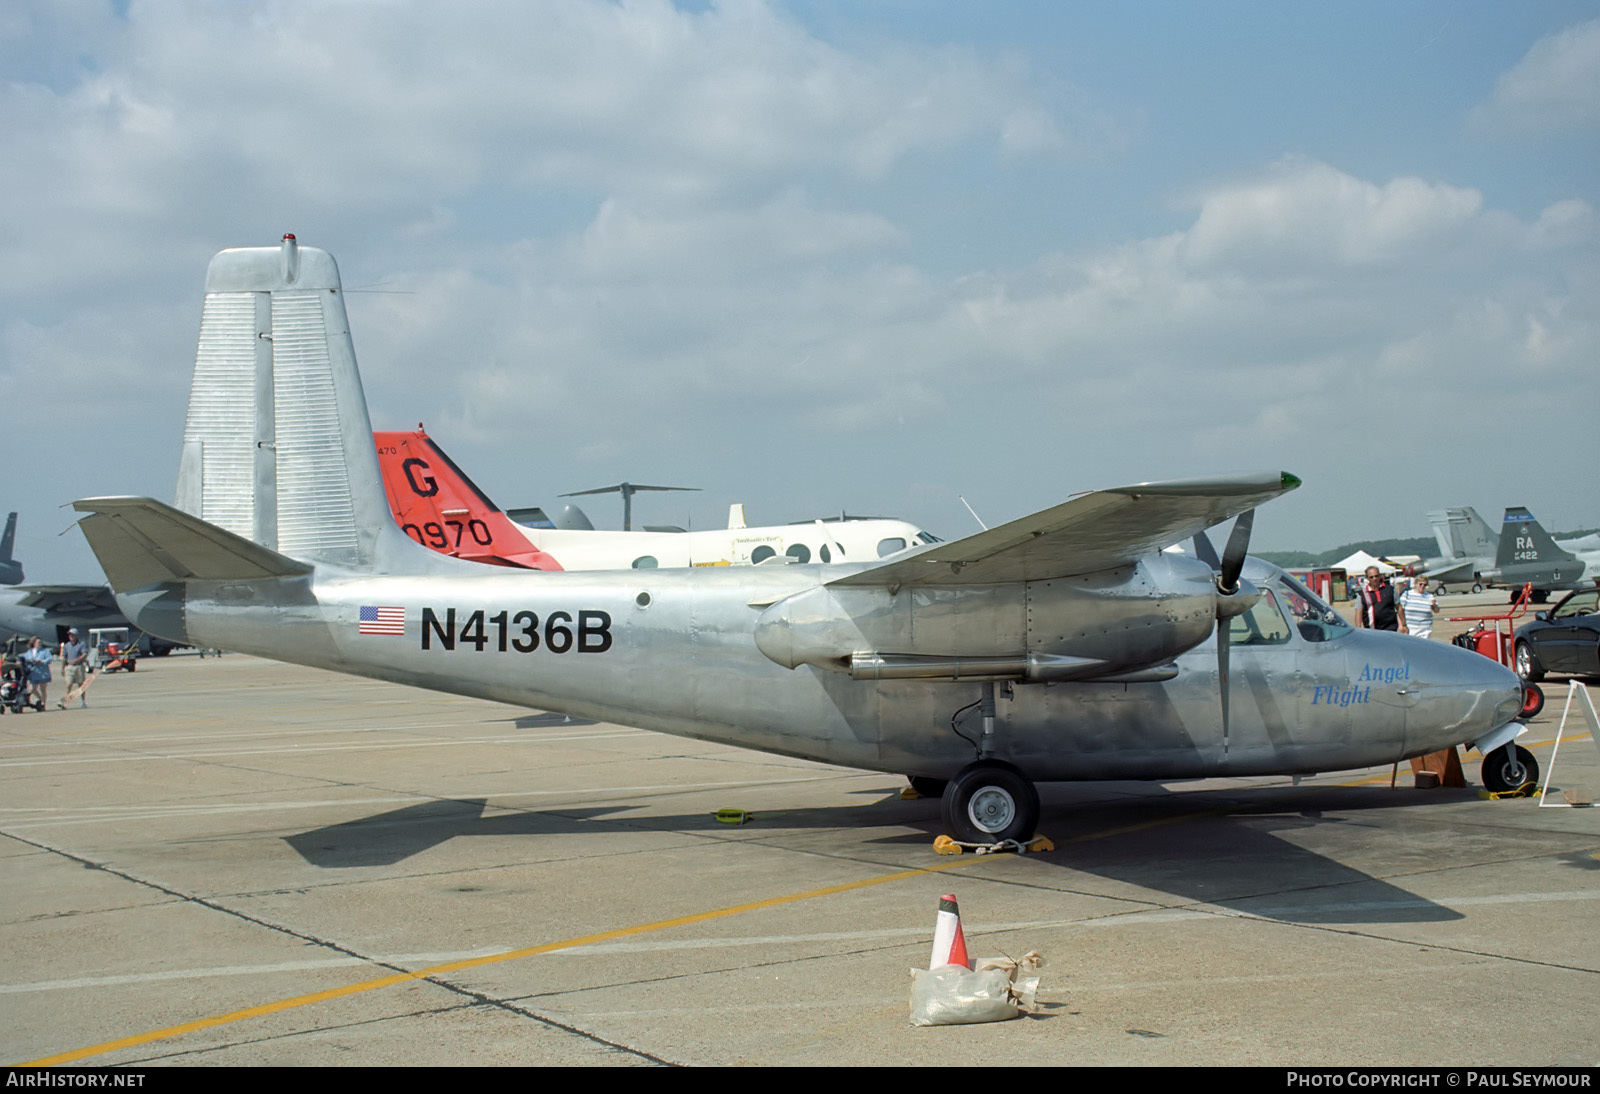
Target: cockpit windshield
[{"x": 1315, "y": 621}]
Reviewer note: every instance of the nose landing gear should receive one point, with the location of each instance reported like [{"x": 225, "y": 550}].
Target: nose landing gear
[{"x": 1507, "y": 768}]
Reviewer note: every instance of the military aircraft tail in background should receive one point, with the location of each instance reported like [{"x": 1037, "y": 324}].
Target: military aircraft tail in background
[
  {"x": 1064, "y": 645},
  {"x": 1472, "y": 555},
  {"x": 1467, "y": 545},
  {"x": 1527, "y": 555},
  {"x": 10, "y": 568},
  {"x": 437, "y": 505}
]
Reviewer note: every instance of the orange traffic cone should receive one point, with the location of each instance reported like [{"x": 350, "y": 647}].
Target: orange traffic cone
[{"x": 949, "y": 944}]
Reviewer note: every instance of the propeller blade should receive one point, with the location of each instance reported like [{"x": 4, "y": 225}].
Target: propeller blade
[
  {"x": 1205, "y": 552},
  {"x": 1223, "y": 646},
  {"x": 1233, "y": 554}
]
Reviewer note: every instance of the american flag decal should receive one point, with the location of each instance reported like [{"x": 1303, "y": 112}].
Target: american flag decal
[{"x": 376, "y": 620}]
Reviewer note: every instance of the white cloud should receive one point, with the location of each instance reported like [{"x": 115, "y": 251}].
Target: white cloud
[
  {"x": 1309, "y": 215},
  {"x": 1555, "y": 88}
]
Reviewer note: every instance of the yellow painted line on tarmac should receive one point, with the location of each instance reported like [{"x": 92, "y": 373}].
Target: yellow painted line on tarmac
[{"x": 478, "y": 962}]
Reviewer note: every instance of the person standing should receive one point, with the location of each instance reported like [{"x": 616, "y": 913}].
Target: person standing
[
  {"x": 37, "y": 662},
  {"x": 75, "y": 663},
  {"x": 1376, "y": 608},
  {"x": 1417, "y": 607}
]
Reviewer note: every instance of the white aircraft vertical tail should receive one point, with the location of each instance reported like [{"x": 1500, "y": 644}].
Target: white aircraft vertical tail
[
  {"x": 277, "y": 447},
  {"x": 1462, "y": 533}
]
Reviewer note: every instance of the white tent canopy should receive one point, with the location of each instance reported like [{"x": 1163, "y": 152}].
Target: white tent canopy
[{"x": 1358, "y": 563}]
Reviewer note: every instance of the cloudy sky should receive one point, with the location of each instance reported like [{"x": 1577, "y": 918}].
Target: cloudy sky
[{"x": 822, "y": 255}]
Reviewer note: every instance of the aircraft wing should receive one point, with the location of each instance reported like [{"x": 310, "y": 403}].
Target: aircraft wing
[
  {"x": 1097, "y": 531},
  {"x": 59, "y": 599},
  {"x": 140, "y": 541}
]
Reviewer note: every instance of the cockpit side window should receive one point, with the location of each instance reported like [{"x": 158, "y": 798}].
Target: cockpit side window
[
  {"x": 1315, "y": 621},
  {"x": 1262, "y": 625}
]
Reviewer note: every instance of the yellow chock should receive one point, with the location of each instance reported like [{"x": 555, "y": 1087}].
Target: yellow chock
[
  {"x": 1527, "y": 790},
  {"x": 733, "y": 816},
  {"x": 908, "y": 795},
  {"x": 944, "y": 845}
]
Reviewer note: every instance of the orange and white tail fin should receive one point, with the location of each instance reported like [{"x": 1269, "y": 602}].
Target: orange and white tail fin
[{"x": 436, "y": 504}]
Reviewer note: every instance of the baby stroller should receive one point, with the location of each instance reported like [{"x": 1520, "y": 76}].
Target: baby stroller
[{"x": 14, "y": 686}]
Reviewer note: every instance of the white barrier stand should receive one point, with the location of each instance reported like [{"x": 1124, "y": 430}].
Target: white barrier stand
[{"x": 1576, "y": 693}]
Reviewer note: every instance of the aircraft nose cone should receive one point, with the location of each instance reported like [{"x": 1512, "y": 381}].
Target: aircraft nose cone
[{"x": 1459, "y": 695}]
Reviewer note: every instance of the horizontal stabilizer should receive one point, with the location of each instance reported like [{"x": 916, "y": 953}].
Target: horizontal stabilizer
[
  {"x": 1098, "y": 531},
  {"x": 140, "y": 541}
]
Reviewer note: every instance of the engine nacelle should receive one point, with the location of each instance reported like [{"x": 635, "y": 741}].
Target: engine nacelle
[{"x": 1083, "y": 627}]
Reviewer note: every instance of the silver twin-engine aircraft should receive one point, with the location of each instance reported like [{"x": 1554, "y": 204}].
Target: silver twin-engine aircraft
[{"x": 1065, "y": 645}]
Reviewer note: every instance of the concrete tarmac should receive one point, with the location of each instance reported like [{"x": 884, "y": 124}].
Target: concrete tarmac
[{"x": 237, "y": 862}]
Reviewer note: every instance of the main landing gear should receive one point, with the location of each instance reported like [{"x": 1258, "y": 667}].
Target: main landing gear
[{"x": 989, "y": 801}]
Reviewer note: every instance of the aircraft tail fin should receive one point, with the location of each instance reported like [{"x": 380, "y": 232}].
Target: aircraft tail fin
[
  {"x": 10, "y": 568},
  {"x": 436, "y": 504},
  {"x": 1462, "y": 533},
  {"x": 1524, "y": 541},
  {"x": 140, "y": 541},
  {"x": 277, "y": 446}
]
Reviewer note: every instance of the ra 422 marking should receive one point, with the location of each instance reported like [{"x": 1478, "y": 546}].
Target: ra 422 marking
[{"x": 590, "y": 632}]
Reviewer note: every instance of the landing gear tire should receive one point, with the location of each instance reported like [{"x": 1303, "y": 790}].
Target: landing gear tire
[
  {"x": 1439, "y": 590},
  {"x": 989, "y": 801},
  {"x": 1507, "y": 768},
  {"x": 1477, "y": 587},
  {"x": 1527, "y": 667},
  {"x": 926, "y": 786},
  {"x": 1532, "y": 701}
]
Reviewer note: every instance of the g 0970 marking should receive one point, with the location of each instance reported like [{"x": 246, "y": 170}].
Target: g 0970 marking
[
  {"x": 519, "y": 632},
  {"x": 433, "y": 534}
]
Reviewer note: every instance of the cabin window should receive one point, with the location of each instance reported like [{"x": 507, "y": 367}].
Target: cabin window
[
  {"x": 799, "y": 552},
  {"x": 761, "y": 554},
  {"x": 887, "y": 547},
  {"x": 645, "y": 562},
  {"x": 1262, "y": 625},
  {"x": 824, "y": 554}
]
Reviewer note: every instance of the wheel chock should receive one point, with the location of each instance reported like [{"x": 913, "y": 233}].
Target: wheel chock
[
  {"x": 907, "y": 794},
  {"x": 733, "y": 816},
  {"x": 944, "y": 845},
  {"x": 1526, "y": 790}
]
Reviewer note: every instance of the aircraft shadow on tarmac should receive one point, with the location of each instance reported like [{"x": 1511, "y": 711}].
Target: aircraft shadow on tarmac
[
  {"x": 545, "y": 721},
  {"x": 1222, "y": 849}
]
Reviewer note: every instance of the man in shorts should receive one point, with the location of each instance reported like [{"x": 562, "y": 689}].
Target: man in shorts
[{"x": 75, "y": 659}]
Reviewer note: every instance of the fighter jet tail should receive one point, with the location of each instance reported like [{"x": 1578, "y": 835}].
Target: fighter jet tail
[
  {"x": 277, "y": 446},
  {"x": 1462, "y": 533},
  {"x": 1524, "y": 542}
]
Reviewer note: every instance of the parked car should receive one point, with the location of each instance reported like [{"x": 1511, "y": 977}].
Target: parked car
[{"x": 1564, "y": 639}]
